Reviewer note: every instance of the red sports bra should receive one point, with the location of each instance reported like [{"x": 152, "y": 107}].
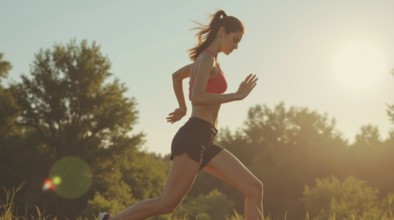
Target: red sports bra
[{"x": 216, "y": 84}]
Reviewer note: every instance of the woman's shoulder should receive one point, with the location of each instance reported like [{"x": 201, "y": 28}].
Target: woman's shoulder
[{"x": 205, "y": 59}]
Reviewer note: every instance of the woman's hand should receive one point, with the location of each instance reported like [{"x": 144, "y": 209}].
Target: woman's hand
[
  {"x": 176, "y": 115},
  {"x": 246, "y": 86}
]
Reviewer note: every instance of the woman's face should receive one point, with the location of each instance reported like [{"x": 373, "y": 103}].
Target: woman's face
[{"x": 229, "y": 41}]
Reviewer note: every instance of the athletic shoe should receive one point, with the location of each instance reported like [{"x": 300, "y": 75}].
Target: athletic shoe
[{"x": 104, "y": 216}]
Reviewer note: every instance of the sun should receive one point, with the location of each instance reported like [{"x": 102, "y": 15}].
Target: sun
[{"x": 359, "y": 65}]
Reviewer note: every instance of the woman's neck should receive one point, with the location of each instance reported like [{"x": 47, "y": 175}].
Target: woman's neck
[{"x": 214, "y": 49}]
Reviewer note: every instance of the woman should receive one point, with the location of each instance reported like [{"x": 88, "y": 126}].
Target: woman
[{"x": 193, "y": 148}]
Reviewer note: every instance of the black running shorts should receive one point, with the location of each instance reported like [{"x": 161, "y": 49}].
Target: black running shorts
[{"x": 195, "y": 138}]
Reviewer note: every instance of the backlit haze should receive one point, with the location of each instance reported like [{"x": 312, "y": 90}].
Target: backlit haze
[{"x": 334, "y": 56}]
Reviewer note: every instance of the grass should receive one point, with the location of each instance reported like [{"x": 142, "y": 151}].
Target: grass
[
  {"x": 7, "y": 211},
  {"x": 7, "y": 208}
]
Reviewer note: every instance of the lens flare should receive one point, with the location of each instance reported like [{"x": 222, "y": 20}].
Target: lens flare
[
  {"x": 70, "y": 177},
  {"x": 48, "y": 185},
  {"x": 57, "y": 180}
]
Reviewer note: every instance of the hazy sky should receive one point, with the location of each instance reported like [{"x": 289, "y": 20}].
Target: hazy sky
[{"x": 293, "y": 46}]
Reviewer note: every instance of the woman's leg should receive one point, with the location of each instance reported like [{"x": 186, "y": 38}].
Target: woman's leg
[
  {"x": 228, "y": 168},
  {"x": 180, "y": 178}
]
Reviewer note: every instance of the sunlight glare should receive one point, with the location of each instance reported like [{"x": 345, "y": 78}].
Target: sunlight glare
[{"x": 359, "y": 65}]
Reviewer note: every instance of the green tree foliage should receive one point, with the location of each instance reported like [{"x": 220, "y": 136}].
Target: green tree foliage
[
  {"x": 9, "y": 133},
  {"x": 350, "y": 199},
  {"x": 387, "y": 206},
  {"x": 390, "y": 112},
  {"x": 5, "y": 66},
  {"x": 211, "y": 206},
  {"x": 370, "y": 158},
  {"x": 68, "y": 102},
  {"x": 330, "y": 196},
  {"x": 368, "y": 137},
  {"x": 8, "y": 107},
  {"x": 70, "y": 108},
  {"x": 145, "y": 173}
]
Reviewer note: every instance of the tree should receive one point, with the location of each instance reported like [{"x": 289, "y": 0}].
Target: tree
[
  {"x": 72, "y": 110},
  {"x": 8, "y": 107},
  {"x": 211, "y": 206},
  {"x": 288, "y": 148},
  {"x": 68, "y": 102},
  {"x": 370, "y": 158},
  {"x": 5, "y": 66},
  {"x": 350, "y": 199},
  {"x": 9, "y": 133},
  {"x": 390, "y": 112},
  {"x": 368, "y": 137}
]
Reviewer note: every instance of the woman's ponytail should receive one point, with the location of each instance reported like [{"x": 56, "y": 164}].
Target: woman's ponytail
[{"x": 207, "y": 33}]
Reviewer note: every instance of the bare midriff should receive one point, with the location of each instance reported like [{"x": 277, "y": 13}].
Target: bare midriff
[{"x": 208, "y": 113}]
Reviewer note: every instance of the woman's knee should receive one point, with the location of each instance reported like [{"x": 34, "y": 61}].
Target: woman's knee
[{"x": 168, "y": 206}]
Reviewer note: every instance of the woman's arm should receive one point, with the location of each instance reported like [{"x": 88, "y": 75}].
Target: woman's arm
[
  {"x": 200, "y": 97},
  {"x": 177, "y": 78}
]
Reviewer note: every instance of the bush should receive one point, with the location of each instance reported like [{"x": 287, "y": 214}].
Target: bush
[
  {"x": 350, "y": 199},
  {"x": 212, "y": 206}
]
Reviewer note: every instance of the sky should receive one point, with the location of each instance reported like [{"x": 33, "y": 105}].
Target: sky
[{"x": 333, "y": 57}]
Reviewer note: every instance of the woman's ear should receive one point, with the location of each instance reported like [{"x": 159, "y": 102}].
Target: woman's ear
[{"x": 221, "y": 32}]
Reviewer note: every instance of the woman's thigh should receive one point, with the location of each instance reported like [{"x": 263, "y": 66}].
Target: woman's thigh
[
  {"x": 228, "y": 168},
  {"x": 182, "y": 174}
]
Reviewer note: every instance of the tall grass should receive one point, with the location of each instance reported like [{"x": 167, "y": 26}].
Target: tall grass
[
  {"x": 7, "y": 211},
  {"x": 7, "y": 208}
]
